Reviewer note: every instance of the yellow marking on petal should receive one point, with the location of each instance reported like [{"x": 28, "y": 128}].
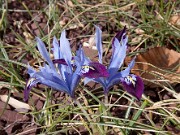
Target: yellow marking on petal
[
  {"x": 83, "y": 67},
  {"x": 73, "y": 54},
  {"x": 131, "y": 80},
  {"x": 88, "y": 67},
  {"x": 72, "y": 62}
]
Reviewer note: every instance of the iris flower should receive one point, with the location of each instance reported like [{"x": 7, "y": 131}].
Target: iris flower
[
  {"x": 65, "y": 71},
  {"x": 132, "y": 83}
]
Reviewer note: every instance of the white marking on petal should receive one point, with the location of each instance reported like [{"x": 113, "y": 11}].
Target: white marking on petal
[
  {"x": 30, "y": 81},
  {"x": 130, "y": 80},
  {"x": 86, "y": 69}
]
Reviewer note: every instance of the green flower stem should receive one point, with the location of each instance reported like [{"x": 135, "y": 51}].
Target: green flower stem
[{"x": 106, "y": 99}]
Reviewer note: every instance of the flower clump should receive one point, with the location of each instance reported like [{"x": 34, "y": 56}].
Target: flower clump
[{"x": 65, "y": 71}]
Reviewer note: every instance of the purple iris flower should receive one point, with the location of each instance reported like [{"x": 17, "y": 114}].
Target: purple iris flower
[
  {"x": 65, "y": 71},
  {"x": 132, "y": 83}
]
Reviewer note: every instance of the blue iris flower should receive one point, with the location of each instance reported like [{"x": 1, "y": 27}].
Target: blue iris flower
[
  {"x": 61, "y": 76},
  {"x": 132, "y": 83}
]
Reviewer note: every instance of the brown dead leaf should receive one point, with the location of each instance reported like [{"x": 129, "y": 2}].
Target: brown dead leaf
[
  {"x": 158, "y": 64},
  {"x": 175, "y": 20}
]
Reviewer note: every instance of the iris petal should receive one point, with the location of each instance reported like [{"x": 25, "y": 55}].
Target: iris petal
[
  {"x": 65, "y": 48},
  {"x": 60, "y": 61},
  {"x": 103, "y": 82},
  {"x": 74, "y": 82},
  {"x": 120, "y": 34},
  {"x": 134, "y": 86},
  {"x": 31, "y": 71},
  {"x": 99, "y": 43},
  {"x": 75, "y": 77},
  {"x": 45, "y": 76},
  {"x": 29, "y": 84},
  {"x": 56, "y": 49},
  {"x": 118, "y": 56},
  {"x": 94, "y": 70},
  {"x": 42, "y": 49},
  {"x": 66, "y": 54},
  {"x": 126, "y": 72},
  {"x": 52, "y": 79},
  {"x": 80, "y": 54},
  {"x": 119, "y": 45}
]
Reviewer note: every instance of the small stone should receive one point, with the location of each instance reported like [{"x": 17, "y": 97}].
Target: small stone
[
  {"x": 34, "y": 26},
  {"x": 62, "y": 23},
  {"x": 44, "y": 27},
  {"x": 56, "y": 94},
  {"x": 39, "y": 105},
  {"x": 70, "y": 3},
  {"x": 91, "y": 84},
  {"x": 44, "y": 20},
  {"x": 37, "y": 32},
  {"x": 165, "y": 97}
]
